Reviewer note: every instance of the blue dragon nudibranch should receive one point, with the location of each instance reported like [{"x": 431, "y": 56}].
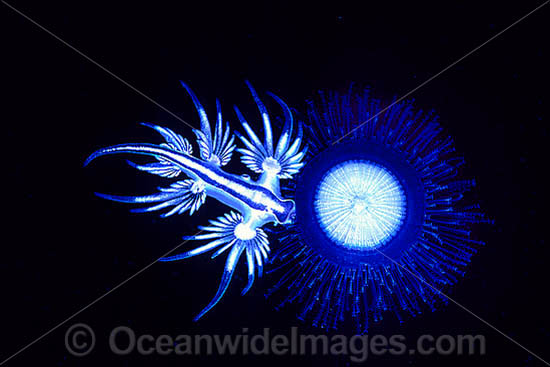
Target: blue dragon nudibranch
[
  {"x": 256, "y": 203},
  {"x": 373, "y": 216}
]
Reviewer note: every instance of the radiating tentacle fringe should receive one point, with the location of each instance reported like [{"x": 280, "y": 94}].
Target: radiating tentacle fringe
[
  {"x": 330, "y": 292},
  {"x": 285, "y": 159}
]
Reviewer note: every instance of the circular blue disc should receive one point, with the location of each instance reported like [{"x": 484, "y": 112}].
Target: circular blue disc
[{"x": 360, "y": 205}]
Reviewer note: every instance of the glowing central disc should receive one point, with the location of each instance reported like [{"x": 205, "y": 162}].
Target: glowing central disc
[{"x": 360, "y": 205}]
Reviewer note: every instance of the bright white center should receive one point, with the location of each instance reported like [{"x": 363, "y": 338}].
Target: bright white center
[
  {"x": 244, "y": 232},
  {"x": 360, "y": 205},
  {"x": 271, "y": 165},
  {"x": 198, "y": 186}
]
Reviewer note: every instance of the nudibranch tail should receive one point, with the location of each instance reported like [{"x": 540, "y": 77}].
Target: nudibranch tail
[{"x": 181, "y": 160}]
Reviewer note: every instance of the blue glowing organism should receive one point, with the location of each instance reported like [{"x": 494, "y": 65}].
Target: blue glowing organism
[
  {"x": 382, "y": 218},
  {"x": 377, "y": 218},
  {"x": 257, "y": 202}
]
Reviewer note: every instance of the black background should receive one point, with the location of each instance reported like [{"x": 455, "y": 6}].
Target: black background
[{"x": 63, "y": 247}]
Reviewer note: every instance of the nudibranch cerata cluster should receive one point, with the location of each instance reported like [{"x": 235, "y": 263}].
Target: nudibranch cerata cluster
[{"x": 365, "y": 204}]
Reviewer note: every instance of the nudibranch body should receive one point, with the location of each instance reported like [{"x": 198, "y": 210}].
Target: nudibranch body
[{"x": 257, "y": 203}]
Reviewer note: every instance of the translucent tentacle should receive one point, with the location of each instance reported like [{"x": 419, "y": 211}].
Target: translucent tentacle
[
  {"x": 217, "y": 147},
  {"x": 199, "y": 250},
  {"x": 219, "y": 128},
  {"x": 222, "y": 250},
  {"x": 223, "y": 145},
  {"x": 284, "y": 140},
  {"x": 136, "y": 199},
  {"x": 268, "y": 142},
  {"x": 183, "y": 195},
  {"x": 176, "y": 141},
  {"x": 251, "y": 271},
  {"x": 163, "y": 167},
  {"x": 228, "y": 271},
  {"x": 205, "y": 133},
  {"x": 255, "y": 142}
]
